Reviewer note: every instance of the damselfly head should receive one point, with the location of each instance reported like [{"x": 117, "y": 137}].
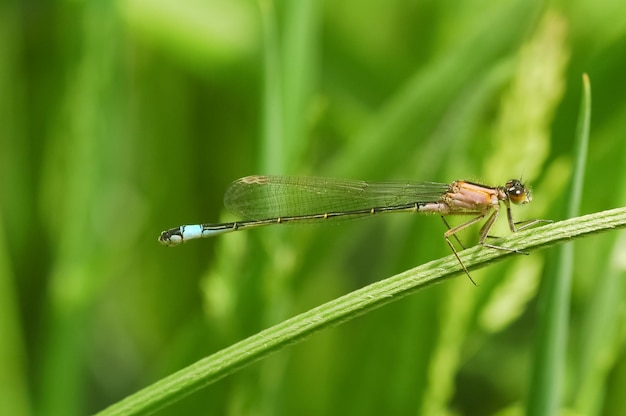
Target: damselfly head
[{"x": 517, "y": 192}]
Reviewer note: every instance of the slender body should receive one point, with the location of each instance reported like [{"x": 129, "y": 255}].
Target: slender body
[{"x": 269, "y": 200}]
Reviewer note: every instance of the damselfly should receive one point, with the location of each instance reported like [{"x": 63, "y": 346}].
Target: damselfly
[{"x": 267, "y": 200}]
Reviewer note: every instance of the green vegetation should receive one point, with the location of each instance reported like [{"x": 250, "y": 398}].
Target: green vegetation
[{"x": 122, "y": 119}]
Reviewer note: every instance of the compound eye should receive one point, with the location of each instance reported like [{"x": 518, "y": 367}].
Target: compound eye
[{"x": 517, "y": 192}]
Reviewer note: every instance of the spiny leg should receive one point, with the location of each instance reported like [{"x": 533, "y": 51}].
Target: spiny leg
[
  {"x": 524, "y": 224},
  {"x": 459, "y": 260},
  {"x": 529, "y": 223},
  {"x": 452, "y": 233},
  {"x": 449, "y": 228},
  {"x": 484, "y": 232}
]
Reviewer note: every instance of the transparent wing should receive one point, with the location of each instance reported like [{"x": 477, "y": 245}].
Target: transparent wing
[{"x": 258, "y": 197}]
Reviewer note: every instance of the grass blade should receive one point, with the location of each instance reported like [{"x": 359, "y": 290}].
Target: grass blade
[
  {"x": 546, "y": 388},
  {"x": 256, "y": 347}
]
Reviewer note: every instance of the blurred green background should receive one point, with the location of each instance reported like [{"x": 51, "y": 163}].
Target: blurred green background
[{"x": 122, "y": 119}]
